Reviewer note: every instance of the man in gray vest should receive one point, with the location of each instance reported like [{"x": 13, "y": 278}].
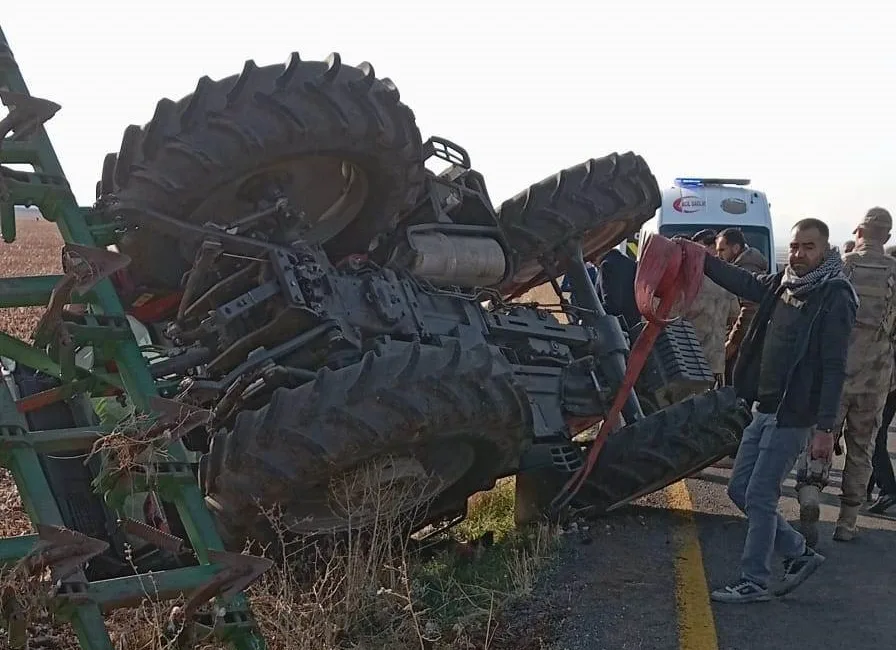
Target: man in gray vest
[{"x": 869, "y": 378}]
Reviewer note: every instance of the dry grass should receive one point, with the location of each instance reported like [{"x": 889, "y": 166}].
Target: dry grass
[
  {"x": 375, "y": 594},
  {"x": 382, "y": 593}
]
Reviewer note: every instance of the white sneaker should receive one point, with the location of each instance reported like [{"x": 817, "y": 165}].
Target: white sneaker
[{"x": 742, "y": 591}]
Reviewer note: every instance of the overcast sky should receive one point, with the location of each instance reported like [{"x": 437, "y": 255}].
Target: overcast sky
[{"x": 797, "y": 98}]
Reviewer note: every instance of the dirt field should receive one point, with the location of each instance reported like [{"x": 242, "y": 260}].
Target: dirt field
[{"x": 36, "y": 251}]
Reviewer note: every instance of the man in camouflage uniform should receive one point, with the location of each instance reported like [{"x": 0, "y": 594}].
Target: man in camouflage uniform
[
  {"x": 869, "y": 377},
  {"x": 732, "y": 248},
  {"x": 710, "y": 313}
]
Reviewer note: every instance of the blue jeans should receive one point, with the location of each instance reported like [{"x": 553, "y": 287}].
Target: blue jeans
[{"x": 766, "y": 455}]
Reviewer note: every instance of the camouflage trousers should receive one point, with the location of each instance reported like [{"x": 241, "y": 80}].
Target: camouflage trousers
[{"x": 858, "y": 420}]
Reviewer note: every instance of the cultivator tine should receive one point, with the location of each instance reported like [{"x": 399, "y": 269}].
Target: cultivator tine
[
  {"x": 26, "y": 114},
  {"x": 51, "y": 319},
  {"x": 147, "y": 533},
  {"x": 84, "y": 267},
  {"x": 90, "y": 265},
  {"x": 62, "y": 550},
  {"x": 238, "y": 573},
  {"x": 177, "y": 417},
  {"x": 244, "y": 570}
]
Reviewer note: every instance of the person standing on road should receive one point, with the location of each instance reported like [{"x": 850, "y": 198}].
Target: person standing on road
[
  {"x": 710, "y": 312},
  {"x": 791, "y": 368},
  {"x": 869, "y": 378},
  {"x": 731, "y": 246},
  {"x": 882, "y": 474}
]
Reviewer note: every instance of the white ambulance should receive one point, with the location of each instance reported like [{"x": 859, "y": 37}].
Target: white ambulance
[{"x": 693, "y": 204}]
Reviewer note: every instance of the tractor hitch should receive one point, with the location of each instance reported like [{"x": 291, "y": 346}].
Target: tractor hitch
[{"x": 669, "y": 272}]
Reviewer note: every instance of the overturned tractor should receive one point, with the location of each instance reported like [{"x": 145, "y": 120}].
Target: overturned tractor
[{"x": 322, "y": 304}]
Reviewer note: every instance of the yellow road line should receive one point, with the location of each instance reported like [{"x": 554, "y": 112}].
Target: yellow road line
[{"x": 696, "y": 624}]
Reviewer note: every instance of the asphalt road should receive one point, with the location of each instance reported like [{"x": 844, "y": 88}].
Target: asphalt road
[{"x": 642, "y": 581}]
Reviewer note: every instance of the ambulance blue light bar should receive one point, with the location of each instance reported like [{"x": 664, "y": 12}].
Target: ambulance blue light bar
[{"x": 698, "y": 182}]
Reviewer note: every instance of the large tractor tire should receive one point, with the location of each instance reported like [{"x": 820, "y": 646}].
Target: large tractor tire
[
  {"x": 320, "y": 451},
  {"x": 603, "y": 201},
  {"x": 663, "y": 448},
  {"x": 347, "y": 153}
]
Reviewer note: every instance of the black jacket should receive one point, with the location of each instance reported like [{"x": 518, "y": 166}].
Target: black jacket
[
  {"x": 616, "y": 286},
  {"x": 814, "y": 385}
]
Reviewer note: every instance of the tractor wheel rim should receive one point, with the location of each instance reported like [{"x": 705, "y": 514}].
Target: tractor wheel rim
[{"x": 327, "y": 207}]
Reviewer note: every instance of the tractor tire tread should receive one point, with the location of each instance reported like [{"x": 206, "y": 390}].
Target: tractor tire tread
[
  {"x": 391, "y": 400},
  {"x": 664, "y": 447},
  {"x": 234, "y": 126},
  {"x": 585, "y": 200}
]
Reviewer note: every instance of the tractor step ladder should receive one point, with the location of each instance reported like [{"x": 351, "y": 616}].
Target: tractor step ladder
[{"x": 218, "y": 574}]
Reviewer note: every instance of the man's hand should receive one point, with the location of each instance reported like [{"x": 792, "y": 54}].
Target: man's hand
[
  {"x": 730, "y": 350},
  {"x": 821, "y": 446}
]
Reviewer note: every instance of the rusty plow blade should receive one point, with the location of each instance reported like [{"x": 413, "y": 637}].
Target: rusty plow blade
[
  {"x": 84, "y": 267},
  {"x": 90, "y": 265},
  {"x": 62, "y": 550},
  {"x": 237, "y": 573}
]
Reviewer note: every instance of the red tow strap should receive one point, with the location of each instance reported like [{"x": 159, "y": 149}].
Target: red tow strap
[{"x": 670, "y": 271}]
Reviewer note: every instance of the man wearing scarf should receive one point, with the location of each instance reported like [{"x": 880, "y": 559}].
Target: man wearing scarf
[
  {"x": 791, "y": 368},
  {"x": 869, "y": 378}
]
